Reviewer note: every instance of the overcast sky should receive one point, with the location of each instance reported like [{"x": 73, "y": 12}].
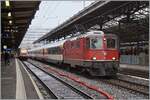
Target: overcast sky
[{"x": 50, "y": 15}]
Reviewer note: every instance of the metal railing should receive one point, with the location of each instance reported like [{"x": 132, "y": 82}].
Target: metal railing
[{"x": 135, "y": 59}]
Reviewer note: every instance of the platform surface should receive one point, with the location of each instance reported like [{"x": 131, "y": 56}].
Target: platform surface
[
  {"x": 15, "y": 82},
  {"x": 135, "y": 70},
  {"x": 134, "y": 67},
  {"x": 8, "y": 80}
]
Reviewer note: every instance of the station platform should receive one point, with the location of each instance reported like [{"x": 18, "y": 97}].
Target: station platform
[
  {"x": 134, "y": 67},
  {"x": 16, "y": 82},
  {"x": 136, "y": 70}
]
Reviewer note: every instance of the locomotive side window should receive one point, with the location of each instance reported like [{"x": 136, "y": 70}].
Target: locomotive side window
[
  {"x": 111, "y": 43},
  {"x": 96, "y": 43},
  {"x": 87, "y": 43},
  {"x": 76, "y": 44}
]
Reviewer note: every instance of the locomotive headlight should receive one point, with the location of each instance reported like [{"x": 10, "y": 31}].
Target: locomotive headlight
[
  {"x": 113, "y": 58},
  {"x": 94, "y": 58},
  {"x": 104, "y": 39}
]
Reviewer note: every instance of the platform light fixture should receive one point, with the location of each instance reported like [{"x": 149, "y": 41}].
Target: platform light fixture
[
  {"x": 10, "y": 22},
  {"x": 9, "y": 14},
  {"x": 7, "y": 30},
  {"x": 7, "y": 3},
  {"x": 5, "y": 46},
  {"x": 12, "y": 30}
]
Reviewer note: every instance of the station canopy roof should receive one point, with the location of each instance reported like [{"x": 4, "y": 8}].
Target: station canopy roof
[
  {"x": 128, "y": 19},
  {"x": 16, "y": 17}
]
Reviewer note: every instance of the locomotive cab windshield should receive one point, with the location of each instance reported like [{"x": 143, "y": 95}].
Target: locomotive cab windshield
[
  {"x": 94, "y": 42},
  {"x": 99, "y": 42}
]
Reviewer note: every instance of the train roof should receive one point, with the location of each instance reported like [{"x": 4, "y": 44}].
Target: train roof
[
  {"x": 61, "y": 42},
  {"x": 55, "y": 44},
  {"x": 88, "y": 34},
  {"x": 99, "y": 33}
]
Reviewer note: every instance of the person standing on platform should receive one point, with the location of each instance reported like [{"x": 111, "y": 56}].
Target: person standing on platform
[{"x": 6, "y": 58}]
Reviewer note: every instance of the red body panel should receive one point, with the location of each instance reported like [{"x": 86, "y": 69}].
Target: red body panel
[
  {"x": 84, "y": 53},
  {"x": 71, "y": 52},
  {"x": 101, "y": 54}
]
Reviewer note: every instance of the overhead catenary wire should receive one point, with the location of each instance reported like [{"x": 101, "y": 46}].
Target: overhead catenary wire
[{"x": 45, "y": 15}]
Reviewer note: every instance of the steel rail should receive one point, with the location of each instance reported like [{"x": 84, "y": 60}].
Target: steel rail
[
  {"x": 128, "y": 85},
  {"x": 78, "y": 91},
  {"x": 140, "y": 88},
  {"x": 47, "y": 89},
  {"x": 105, "y": 94}
]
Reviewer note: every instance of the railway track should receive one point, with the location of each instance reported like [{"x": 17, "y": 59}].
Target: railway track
[
  {"x": 143, "y": 74},
  {"x": 140, "y": 88},
  {"x": 58, "y": 88}
]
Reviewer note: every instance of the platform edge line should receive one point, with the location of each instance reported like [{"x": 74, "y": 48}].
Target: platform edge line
[
  {"x": 33, "y": 82},
  {"x": 20, "y": 88}
]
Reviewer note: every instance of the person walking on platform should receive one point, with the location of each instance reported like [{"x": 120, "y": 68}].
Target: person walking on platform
[{"x": 6, "y": 58}]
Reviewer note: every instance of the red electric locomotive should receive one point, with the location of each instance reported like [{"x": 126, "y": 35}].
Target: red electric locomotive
[{"x": 94, "y": 52}]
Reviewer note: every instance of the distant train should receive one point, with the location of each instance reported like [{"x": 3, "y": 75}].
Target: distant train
[
  {"x": 94, "y": 52},
  {"x": 22, "y": 54}
]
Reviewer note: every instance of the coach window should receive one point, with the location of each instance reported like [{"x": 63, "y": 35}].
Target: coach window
[
  {"x": 56, "y": 50},
  {"x": 53, "y": 49},
  {"x": 49, "y": 50},
  {"x": 41, "y": 51},
  {"x": 59, "y": 50}
]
